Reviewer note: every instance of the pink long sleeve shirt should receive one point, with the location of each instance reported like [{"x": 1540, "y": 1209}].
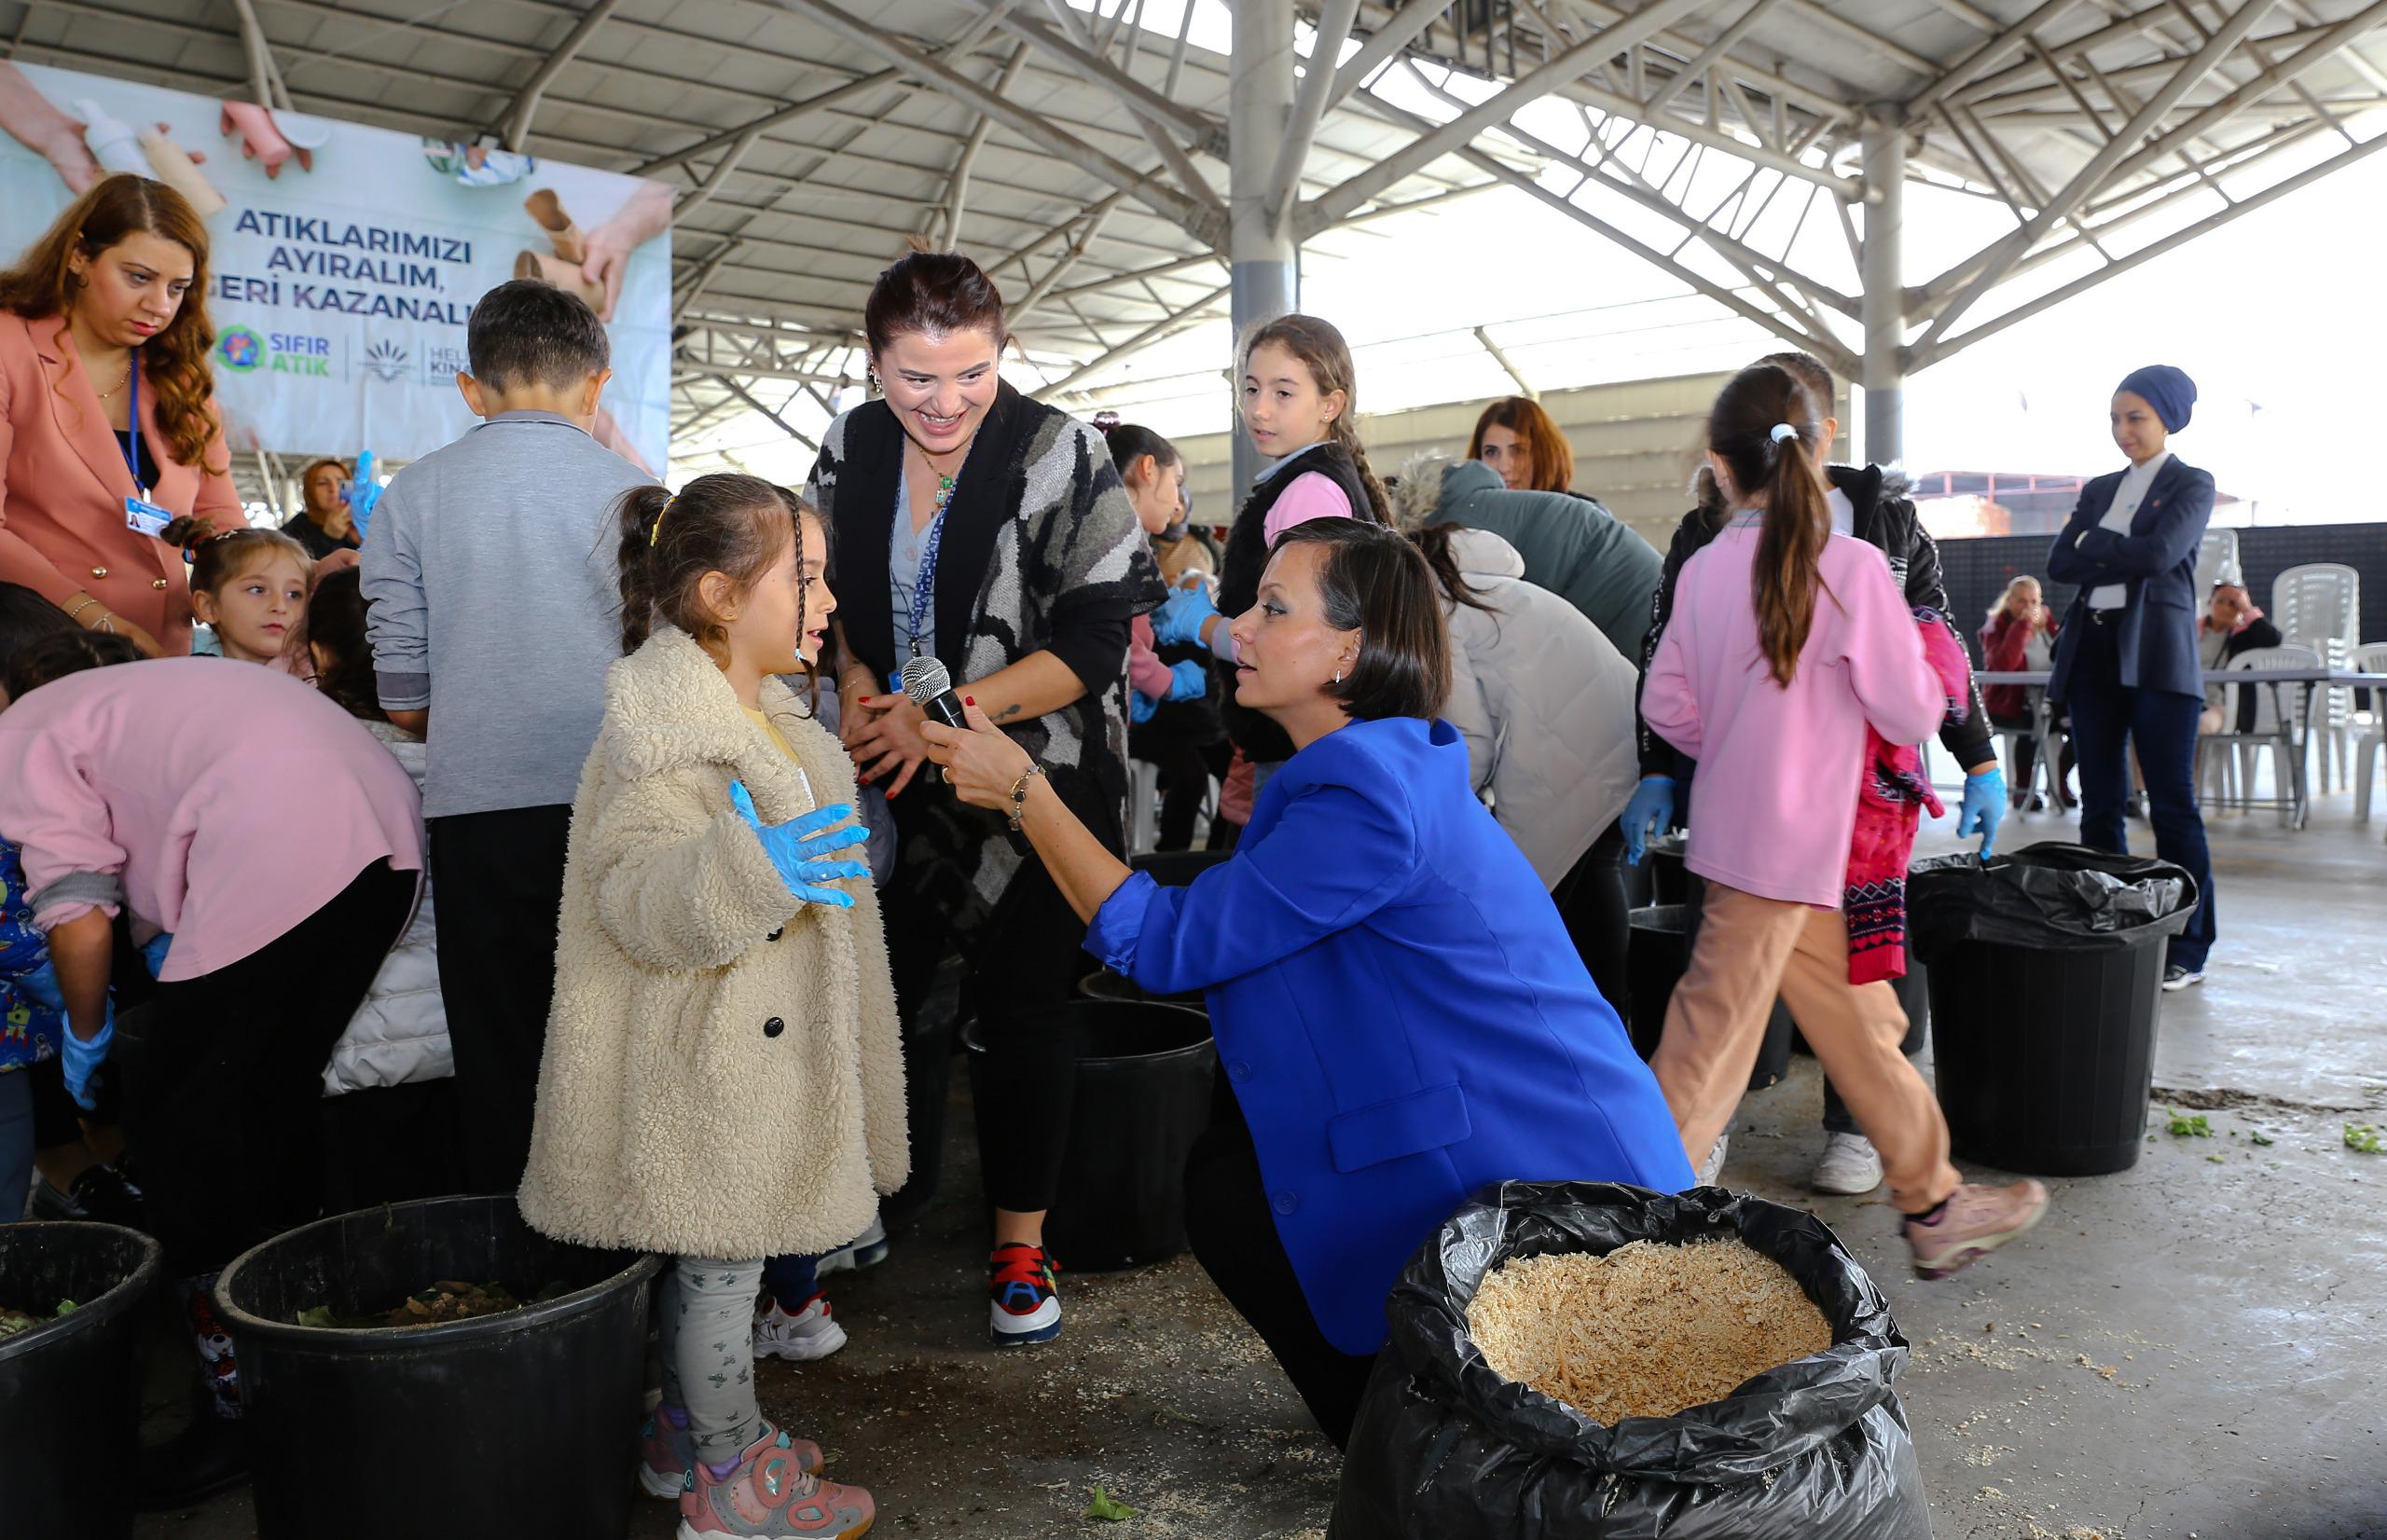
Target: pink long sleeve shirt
[
  {"x": 219, "y": 804},
  {"x": 1145, "y": 670},
  {"x": 1773, "y": 802}
]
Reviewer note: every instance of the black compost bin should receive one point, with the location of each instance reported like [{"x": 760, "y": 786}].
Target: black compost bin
[
  {"x": 1103, "y": 984},
  {"x": 929, "y": 1037},
  {"x": 69, "y": 1388},
  {"x": 1669, "y": 878},
  {"x": 2046, "y": 971},
  {"x": 1660, "y": 950},
  {"x": 523, "y": 1424},
  {"x": 1143, "y": 1096},
  {"x": 1177, "y": 868}
]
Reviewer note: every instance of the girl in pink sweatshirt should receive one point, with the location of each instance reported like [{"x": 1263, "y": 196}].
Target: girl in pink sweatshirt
[
  {"x": 263, "y": 851},
  {"x": 1788, "y": 641}
]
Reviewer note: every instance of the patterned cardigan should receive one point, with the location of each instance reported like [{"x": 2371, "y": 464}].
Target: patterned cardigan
[{"x": 1041, "y": 551}]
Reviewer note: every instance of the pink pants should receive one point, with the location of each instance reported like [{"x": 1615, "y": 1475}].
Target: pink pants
[{"x": 1750, "y": 949}]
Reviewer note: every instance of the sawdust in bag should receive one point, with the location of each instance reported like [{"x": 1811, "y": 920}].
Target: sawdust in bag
[{"x": 1644, "y": 1330}]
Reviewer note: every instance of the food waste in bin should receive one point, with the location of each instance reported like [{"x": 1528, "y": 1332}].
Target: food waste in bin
[
  {"x": 449, "y": 1300},
  {"x": 13, "y": 1321},
  {"x": 1645, "y": 1331}
]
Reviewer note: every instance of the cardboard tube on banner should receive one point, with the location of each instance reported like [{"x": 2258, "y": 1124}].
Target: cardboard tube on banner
[{"x": 177, "y": 171}]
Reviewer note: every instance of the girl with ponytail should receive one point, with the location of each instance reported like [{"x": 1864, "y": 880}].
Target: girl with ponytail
[
  {"x": 1787, "y": 643},
  {"x": 723, "y": 1078},
  {"x": 1300, "y": 400}
]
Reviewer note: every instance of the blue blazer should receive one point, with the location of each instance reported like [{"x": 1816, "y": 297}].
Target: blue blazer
[
  {"x": 2156, "y": 559},
  {"x": 1397, "y": 1009}
]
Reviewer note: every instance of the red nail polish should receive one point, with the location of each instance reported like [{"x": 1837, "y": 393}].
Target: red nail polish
[{"x": 969, "y": 700}]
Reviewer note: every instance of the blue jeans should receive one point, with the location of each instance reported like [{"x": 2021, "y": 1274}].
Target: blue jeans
[{"x": 2107, "y": 719}]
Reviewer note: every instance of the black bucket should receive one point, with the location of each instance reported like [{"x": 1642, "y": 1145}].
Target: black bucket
[
  {"x": 1104, "y": 985},
  {"x": 1669, "y": 878},
  {"x": 928, "y": 1071},
  {"x": 1143, "y": 1097},
  {"x": 528, "y": 1419},
  {"x": 1177, "y": 868},
  {"x": 70, "y": 1389},
  {"x": 1660, "y": 950}
]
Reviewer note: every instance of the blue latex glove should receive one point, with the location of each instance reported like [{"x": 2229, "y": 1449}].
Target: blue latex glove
[
  {"x": 154, "y": 952},
  {"x": 1983, "y": 809},
  {"x": 795, "y": 848},
  {"x": 1179, "y": 620},
  {"x": 1648, "y": 815},
  {"x": 1141, "y": 707},
  {"x": 79, "y": 1058},
  {"x": 1189, "y": 680},
  {"x": 362, "y": 494}
]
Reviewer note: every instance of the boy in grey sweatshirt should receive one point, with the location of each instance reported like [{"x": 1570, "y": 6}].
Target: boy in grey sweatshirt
[{"x": 494, "y": 612}]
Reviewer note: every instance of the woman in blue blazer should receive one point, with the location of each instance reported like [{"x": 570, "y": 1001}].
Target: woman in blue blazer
[
  {"x": 1399, "y": 1014},
  {"x": 2126, "y": 662}
]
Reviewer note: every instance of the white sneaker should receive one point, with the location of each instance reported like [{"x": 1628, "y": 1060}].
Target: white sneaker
[
  {"x": 809, "y": 1333},
  {"x": 868, "y": 1249},
  {"x": 1712, "y": 1168},
  {"x": 1851, "y": 1166}
]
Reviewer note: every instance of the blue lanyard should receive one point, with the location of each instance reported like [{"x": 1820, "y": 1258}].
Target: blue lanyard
[
  {"x": 132, "y": 415},
  {"x": 924, "y": 583}
]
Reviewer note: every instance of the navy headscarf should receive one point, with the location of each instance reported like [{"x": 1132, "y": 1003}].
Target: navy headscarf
[{"x": 2169, "y": 391}]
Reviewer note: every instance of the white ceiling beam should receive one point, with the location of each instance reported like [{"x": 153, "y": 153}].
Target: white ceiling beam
[
  {"x": 1309, "y": 107},
  {"x": 525, "y": 105},
  {"x": 1402, "y": 28},
  {"x": 2089, "y": 178},
  {"x": 1194, "y": 315},
  {"x": 1346, "y": 198},
  {"x": 1156, "y": 118}
]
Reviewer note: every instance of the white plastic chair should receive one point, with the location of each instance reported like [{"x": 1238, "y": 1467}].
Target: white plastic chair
[
  {"x": 2218, "y": 561},
  {"x": 1143, "y": 807},
  {"x": 2320, "y": 605},
  {"x": 2370, "y": 658},
  {"x": 2277, "y": 710}
]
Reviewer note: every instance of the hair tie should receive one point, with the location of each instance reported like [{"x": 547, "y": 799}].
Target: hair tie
[
  {"x": 1783, "y": 431},
  {"x": 657, "y": 533}
]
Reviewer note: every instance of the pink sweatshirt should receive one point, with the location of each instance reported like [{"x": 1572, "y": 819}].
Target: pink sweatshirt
[
  {"x": 1773, "y": 803},
  {"x": 1145, "y": 670},
  {"x": 219, "y": 804}
]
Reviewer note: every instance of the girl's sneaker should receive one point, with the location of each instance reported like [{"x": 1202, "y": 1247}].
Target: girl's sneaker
[
  {"x": 800, "y": 1338},
  {"x": 665, "y": 1455},
  {"x": 865, "y": 1250},
  {"x": 1975, "y": 1221},
  {"x": 1025, "y": 1298},
  {"x": 770, "y": 1497}
]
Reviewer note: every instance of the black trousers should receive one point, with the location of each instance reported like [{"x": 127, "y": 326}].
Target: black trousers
[
  {"x": 500, "y": 877},
  {"x": 1024, "y": 961},
  {"x": 1234, "y": 1238},
  {"x": 1591, "y": 900},
  {"x": 224, "y": 1075}
]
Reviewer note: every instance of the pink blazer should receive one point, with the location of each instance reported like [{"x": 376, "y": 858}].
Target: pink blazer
[{"x": 62, "y": 502}]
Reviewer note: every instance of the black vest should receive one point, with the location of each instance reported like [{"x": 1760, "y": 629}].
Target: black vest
[{"x": 1262, "y": 741}]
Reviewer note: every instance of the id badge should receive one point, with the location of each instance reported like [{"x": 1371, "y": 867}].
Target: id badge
[{"x": 145, "y": 517}]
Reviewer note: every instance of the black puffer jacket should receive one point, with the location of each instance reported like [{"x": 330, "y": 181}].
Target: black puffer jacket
[{"x": 1885, "y": 519}]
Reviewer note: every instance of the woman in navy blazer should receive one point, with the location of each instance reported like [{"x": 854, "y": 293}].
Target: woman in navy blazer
[
  {"x": 1400, "y": 1013},
  {"x": 2126, "y": 662}
]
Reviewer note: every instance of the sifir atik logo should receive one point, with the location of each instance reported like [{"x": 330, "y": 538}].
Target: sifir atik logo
[{"x": 386, "y": 361}]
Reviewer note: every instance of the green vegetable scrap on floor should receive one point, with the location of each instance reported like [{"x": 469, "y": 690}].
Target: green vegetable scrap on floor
[
  {"x": 2365, "y": 1138},
  {"x": 1106, "y": 1507},
  {"x": 2193, "y": 1126},
  {"x": 2262, "y": 1139}
]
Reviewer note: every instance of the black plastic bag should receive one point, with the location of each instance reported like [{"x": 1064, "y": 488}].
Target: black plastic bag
[
  {"x": 1444, "y": 1449},
  {"x": 2066, "y": 896}
]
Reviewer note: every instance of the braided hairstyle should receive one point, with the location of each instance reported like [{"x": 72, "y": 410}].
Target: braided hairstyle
[{"x": 1322, "y": 351}]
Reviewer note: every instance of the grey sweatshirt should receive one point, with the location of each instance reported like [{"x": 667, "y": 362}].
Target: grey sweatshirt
[{"x": 489, "y": 569}]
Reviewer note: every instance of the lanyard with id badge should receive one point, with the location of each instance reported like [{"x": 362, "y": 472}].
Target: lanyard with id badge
[{"x": 141, "y": 516}]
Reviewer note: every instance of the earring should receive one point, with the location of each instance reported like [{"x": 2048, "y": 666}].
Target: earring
[{"x": 1338, "y": 676}]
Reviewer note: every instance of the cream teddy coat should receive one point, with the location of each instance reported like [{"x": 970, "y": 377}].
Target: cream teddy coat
[{"x": 724, "y": 1076}]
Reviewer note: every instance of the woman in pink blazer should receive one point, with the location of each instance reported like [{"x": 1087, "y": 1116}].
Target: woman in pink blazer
[{"x": 120, "y": 277}]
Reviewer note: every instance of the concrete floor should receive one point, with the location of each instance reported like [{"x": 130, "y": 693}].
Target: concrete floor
[{"x": 2195, "y": 1348}]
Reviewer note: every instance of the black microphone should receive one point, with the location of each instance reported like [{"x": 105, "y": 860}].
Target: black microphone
[{"x": 931, "y": 687}]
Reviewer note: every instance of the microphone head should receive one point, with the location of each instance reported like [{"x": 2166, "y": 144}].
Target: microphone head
[{"x": 925, "y": 679}]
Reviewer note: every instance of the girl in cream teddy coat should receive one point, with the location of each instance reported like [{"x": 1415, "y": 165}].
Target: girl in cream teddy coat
[{"x": 723, "y": 1079}]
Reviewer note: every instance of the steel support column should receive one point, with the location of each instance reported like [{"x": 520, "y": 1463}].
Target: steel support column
[
  {"x": 1261, "y": 254},
  {"x": 1884, "y": 290}
]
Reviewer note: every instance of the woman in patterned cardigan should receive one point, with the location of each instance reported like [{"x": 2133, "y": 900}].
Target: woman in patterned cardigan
[{"x": 990, "y": 531}]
